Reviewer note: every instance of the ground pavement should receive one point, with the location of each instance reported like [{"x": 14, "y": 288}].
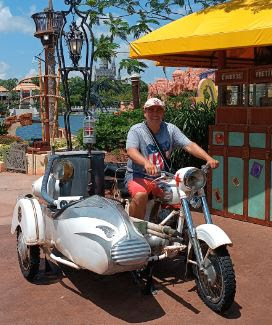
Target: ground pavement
[{"x": 80, "y": 297}]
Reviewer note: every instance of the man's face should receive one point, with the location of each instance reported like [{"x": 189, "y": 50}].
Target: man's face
[{"x": 154, "y": 114}]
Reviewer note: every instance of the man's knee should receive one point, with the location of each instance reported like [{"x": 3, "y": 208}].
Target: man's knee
[
  {"x": 141, "y": 196},
  {"x": 138, "y": 205}
]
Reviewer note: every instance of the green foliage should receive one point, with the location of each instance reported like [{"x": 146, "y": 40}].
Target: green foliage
[
  {"x": 3, "y": 129},
  {"x": 61, "y": 143},
  {"x": 132, "y": 65},
  {"x": 76, "y": 91},
  {"x": 144, "y": 16},
  {"x": 112, "y": 129},
  {"x": 9, "y": 139},
  {"x": 112, "y": 92},
  {"x": 4, "y": 149},
  {"x": 184, "y": 99},
  {"x": 104, "y": 48},
  {"x": 9, "y": 84},
  {"x": 194, "y": 122},
  {"x": 117, "y": 27}
]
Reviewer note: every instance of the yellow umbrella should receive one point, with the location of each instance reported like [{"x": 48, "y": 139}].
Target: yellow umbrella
[{"x": 238, "y": 26}]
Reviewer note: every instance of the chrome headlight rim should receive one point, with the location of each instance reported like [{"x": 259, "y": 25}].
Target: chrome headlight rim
[{"x": 187, "y": 176}]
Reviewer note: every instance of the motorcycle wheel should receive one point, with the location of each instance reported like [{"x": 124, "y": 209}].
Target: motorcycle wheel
[
  {"x": 28, "y": 256},
  {"x": 217, "y": 285}
]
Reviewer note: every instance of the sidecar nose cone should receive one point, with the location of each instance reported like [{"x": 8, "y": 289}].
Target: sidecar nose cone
[{"x": 130, "y": 252}]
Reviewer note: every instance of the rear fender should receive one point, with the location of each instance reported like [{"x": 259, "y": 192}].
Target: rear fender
[{"x": 27, "y": 214}]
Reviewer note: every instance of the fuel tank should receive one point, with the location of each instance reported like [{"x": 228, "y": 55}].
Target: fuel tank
[{"x": 97, "y": 234}]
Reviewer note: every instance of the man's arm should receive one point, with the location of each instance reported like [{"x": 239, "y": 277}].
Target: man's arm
[
  {"x": 194, "y": 149},
  {"x": 139, "y": 159}
]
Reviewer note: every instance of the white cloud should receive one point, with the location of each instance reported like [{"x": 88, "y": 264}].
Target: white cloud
[
  {"x": 31, "y": 73},
  {"x": 10, "y": 23},
  {"x": 3, "y": 69}
]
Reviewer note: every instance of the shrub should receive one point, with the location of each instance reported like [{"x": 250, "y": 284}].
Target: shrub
[
  {"x": 194, "y": 123},
  {"x": 111, "y": 129},
  {"x": 192, "y": 120},
  {"x": 4, "y": 148},
  {"x": 3, "y": 128},
  {"x": 61, "y": 143},
  {"x": 9, "y": 139}
]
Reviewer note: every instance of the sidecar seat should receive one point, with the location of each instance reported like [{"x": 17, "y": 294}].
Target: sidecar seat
[
  {"x": 120, "y": 182},
  {"x": 115, "y": 177}
]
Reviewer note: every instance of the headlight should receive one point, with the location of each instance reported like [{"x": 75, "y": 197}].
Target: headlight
[
  {"x": 63, "y": 170},
  {"x": 194, "y": 179}
]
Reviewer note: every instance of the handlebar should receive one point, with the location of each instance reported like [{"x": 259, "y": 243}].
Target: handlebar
[
  {"x": 160, "y": 177},
  {"x": 206, "y": 168}
]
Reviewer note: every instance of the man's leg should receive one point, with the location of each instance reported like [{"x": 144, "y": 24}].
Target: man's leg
[
  {"x": 139, "y": 188},
  {"x": 137, "y": 206}
]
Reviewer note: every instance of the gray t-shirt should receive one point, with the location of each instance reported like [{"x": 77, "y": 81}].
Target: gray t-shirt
[{"x": 169, "y": 137}]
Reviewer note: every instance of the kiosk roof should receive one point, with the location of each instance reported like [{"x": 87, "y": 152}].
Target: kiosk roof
[{"x": 238, "y": 26}]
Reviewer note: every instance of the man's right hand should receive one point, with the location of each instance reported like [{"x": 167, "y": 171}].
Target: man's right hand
[{"x": 150, "y": 168}]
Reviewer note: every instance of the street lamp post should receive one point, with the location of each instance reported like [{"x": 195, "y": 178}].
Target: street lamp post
[
  {"x": 48, "y": 24},
  {"x": 76, "y": 34},
  {"x": 135, "y": 83}
]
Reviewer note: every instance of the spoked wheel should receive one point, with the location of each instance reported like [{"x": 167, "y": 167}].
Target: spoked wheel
[
  {"x": 216, "y": 284},
  {"x": 28, "y": 256}
]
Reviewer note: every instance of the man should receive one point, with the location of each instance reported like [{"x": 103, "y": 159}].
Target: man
[{"x": 144, "y": 155}]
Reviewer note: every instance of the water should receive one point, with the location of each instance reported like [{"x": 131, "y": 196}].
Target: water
[{"x": 34, "y": 131}]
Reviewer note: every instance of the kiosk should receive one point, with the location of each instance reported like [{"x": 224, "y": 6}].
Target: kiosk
[
  {"x": 241, "y": 140},
  {"x": 236, "y": 39}
]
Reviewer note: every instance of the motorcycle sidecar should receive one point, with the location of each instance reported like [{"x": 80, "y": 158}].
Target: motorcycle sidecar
[{"x": 73, "y": 228}]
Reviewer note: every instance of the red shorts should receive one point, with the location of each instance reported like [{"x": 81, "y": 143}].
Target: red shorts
[{"x": 143, "y": 185}]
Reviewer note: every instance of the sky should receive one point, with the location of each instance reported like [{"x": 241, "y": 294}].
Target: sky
[{"x": 19, "y": 46}]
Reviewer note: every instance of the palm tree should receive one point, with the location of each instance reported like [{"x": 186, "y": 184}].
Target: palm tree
[
  {"x": 132, "y": 65},
  {"x": 142, "y": 26},
  {"x": 104, "y": 48},
  {"x": 117, "y": 28}
]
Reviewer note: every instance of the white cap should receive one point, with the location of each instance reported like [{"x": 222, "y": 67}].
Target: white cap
[{"x": 153, "y": 102}]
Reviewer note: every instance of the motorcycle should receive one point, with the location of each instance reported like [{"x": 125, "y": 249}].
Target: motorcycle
[
  {"x": 85, "y": 230},
  {"x": 205, "y": 246}
]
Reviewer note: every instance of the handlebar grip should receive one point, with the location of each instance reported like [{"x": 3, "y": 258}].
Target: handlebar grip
[{"x": 206, "y": 168}]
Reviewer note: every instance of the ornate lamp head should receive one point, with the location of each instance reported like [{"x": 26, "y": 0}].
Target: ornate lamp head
[{"x": 74, "y": 39}]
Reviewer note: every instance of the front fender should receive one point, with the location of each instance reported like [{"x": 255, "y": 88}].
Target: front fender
[
  {"x": 28, "y": 215},
  {"x": 212, "y": 235}
]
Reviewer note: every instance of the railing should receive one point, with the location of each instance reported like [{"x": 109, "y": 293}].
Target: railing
[{"x": 48, "y": 22}]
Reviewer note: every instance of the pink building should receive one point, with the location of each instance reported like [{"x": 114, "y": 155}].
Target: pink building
[{"x": 183, "y": 80}]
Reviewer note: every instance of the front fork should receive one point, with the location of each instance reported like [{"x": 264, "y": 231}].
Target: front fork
[{"x": 191, "y": 228}]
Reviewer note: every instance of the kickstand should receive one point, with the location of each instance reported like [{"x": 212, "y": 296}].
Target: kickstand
[{"x": 149, "y": 288}]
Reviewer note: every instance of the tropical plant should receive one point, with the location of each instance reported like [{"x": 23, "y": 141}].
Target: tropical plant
[
  {"x": 192, "y": 120},
  {"x": 4, "y": 149},
  {"x": 143, "y": 17},
  {"x": 3, "y": 129},
  {"x": 9, "y": 139},
  {"x": 105, "y": 49},
  {"x": 9, "y": 84},
  {"x": 112, "y": 129},
  {"x": 132, "y": 65}
]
